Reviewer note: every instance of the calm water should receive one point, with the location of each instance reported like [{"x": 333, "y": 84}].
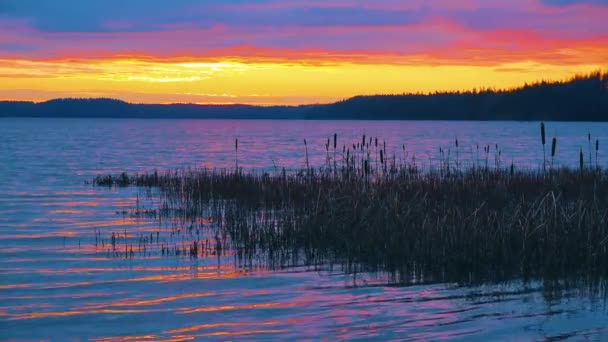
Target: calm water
[{"x": 56, "y": 284}]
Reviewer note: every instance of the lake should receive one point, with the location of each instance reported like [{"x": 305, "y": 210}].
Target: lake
[{"x": 56, "y": 282}]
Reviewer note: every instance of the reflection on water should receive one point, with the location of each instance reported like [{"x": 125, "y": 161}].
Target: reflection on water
[{"x": 59, "y": 279}]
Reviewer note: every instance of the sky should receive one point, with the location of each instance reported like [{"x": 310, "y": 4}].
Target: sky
[{"x": 271, "y": 52}]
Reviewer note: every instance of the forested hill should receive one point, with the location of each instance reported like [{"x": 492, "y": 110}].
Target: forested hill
[{"x": 583, "y": 98}]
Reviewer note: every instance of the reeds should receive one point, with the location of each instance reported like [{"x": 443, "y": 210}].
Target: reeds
[
  {"x": 553, "y": 151},
  {"x": 542, "y": 139},
  {"x": 472, "y": 225}
]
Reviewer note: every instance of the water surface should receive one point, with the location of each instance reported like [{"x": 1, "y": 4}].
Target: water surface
[{"x": 57, "y": 283}]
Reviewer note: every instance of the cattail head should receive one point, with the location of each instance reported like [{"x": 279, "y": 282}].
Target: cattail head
[
  {"x": 542, "y": 132},
  {"x": 597, "y": 145},
  {"x": 589, "y": 137},
  {"x": 381, "y": 157},
  {"x": 363, "y": 141},
  {"x": 236, "y": 144},
  {"x": 581, "y": 159},
  {"x": 335, "y": 140},
  {"x": 376, "y": 141},
  {"x": 304, "y": 142},
  {"x": 456, "y": 142},
  {"x": 553, "y": 146}
]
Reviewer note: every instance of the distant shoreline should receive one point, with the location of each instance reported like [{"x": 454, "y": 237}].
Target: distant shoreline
[{"x": 582, "y": 98}]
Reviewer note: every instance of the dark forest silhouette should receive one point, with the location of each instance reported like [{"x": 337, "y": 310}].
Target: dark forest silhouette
[{"x": 582, "y": 98}]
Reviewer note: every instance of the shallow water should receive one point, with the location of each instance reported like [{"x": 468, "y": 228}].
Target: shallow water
[{"x": 57, "y": 283}]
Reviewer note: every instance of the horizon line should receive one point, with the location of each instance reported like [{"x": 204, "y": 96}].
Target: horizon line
[{"x": 600, "y": 72}]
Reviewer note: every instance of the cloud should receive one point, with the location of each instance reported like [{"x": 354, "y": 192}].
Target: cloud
[
  {"x": 276, "y": 51},
  {"x": 574, "y": 2}
]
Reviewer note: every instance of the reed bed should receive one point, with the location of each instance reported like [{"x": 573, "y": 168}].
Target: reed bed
[{"x": 363, "y": 214}]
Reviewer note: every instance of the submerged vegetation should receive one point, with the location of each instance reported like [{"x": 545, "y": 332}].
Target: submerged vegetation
[{"x": 368, "y": 211}]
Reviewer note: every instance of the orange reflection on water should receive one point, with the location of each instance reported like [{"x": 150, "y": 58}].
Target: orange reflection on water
[
  {"x": 167, "y": 278},
  {"x": 67, "y": 313},
  {"x": 80, "y": 204},
  {"x": 40, "y": 236},
  {"x": 141, "y": 338},
  {"x": 219, "y": 325},
  {"x": 118, "y": 222},
  {"x": 246, "y": 332},
  {"x": 146, "y": 302},
  {"x": 14, "y": 286},
  {"x": 67, "y": 211},
  {"x": 271, "y": 305}
]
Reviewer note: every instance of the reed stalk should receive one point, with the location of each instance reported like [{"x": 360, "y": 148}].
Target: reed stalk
[{"x": 542, "y": 138}]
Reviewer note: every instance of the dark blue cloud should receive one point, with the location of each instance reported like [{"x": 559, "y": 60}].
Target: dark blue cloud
[
  {"x": 573, "y": 2},
  {"x": 152, "y": 15},
  {"x": 92, "y": 16}
]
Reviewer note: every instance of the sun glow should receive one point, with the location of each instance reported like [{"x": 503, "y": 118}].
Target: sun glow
[{"x": 257, "y": 82}]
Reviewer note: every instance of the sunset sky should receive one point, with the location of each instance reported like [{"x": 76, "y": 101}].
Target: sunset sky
[{"x": 290, "y": 52}]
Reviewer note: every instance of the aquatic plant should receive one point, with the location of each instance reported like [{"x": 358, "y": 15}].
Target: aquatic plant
[
  {"x": 542, "y": 139},
  {"x": 433, "y": 226}
]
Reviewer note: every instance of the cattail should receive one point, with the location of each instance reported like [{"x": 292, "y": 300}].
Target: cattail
[
  {"x": 597, "y": 149},
  {"x": 456, "y": 142},
  {"x": 381, "y": 157},
  {"x": 363, "y": 142},
  {"x": 581, "y": 161},
  {"x": 306, "y": 149},
  {"x": 542, "y": 139},
  {"x": 376, "y": 142},
  {"x": 335, "y": 140},
  {"x": 589, "y": 140},
  {"x": 553, "y": 149},
  {"x": 236, "y": 154},
  {"x": 542, "y": 132}
]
